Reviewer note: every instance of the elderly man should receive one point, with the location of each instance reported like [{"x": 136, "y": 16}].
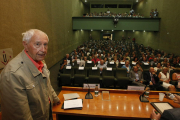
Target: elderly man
[
  {"x": 127, "y": 66},
  {"x": 101, "y": 66},
  {"x": 136, "y": 76},
  {"x": 152, "y": 79},
  {"x": 25, "y": 87}
]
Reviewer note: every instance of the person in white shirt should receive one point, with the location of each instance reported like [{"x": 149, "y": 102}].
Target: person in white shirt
[
  {"x": 108, "y": 11},
  {"x": 101, "y": 66},
  {"x": 164, "y": 77},
  {"x": 83, "y": 62}
]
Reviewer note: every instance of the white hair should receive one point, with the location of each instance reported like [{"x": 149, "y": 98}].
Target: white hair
[{"x": 29, "y": 34}]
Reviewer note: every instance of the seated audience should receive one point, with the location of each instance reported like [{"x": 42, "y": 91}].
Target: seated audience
[
  {"x": 116, "y": 61},
  {"x": 144, "y": 60},
  {"x": 138, "y": 64},
  {"x": 164, "y": 77},
  {"x": 127, "y": 66}
]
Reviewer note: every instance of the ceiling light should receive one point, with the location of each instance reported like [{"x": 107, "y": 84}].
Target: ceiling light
[
  {"x": 85, "y": 0},
  {"x": 136, "y": 0},
  {"x": 91, "y": 30},
  {"x": 112, "y": 30},
  {"x": 101, "y": 30},
  {"x": 144, "y": 31},
  {"x": 133, "y": 30},
  {"x": 123, "y": 30},
  {"x": 81, "y": 29}
]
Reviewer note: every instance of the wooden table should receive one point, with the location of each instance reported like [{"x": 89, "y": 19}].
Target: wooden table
[{"x": 123, "y": 104}]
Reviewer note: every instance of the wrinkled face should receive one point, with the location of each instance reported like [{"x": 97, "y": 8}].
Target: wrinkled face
[
  {"x": 37, "y": 47},
  {"x": 151, "y": 69}
]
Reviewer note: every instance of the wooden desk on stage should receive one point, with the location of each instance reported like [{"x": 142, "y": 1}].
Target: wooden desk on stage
[{"x": 123, "y": 104}]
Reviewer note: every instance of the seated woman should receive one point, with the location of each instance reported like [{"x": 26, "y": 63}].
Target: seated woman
[
  {"x": 164, "y": 62},
  {"x": 135, "y": 60},
  {"x": 116, "y": 61},
  {"x": 164, "y": 77},
  {"x": 176, "y": 75},
  {"x": 159, "y": 67}
]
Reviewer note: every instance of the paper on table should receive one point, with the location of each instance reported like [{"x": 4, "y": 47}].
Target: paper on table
[
  {"x": 70, "y": 96},
  {"x": 146, "y": 63},
  {"x": 68, "y": 67},
  {"x": 89, "y": 61},
  {"x": 109, "y": 68},
  {"x": 111, "y": 62},
  {"x": 81, "y": 68},
  {"x": 94, "y": 68},
  {"x": 163, "y": 106},
  {"x": 122, "y": 62},
  {"x": 77, "y": 103}
]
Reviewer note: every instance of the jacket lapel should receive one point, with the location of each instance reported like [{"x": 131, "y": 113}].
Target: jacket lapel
[{"x": 35, "y": 72}]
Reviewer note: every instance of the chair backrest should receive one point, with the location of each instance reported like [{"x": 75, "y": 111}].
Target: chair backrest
[
  {"x": 106, "y": 72},
  {"x": 82, "y": 72},
  {"x": 67, "y": 71},
  {"x": 94, "y": 72},
  {"x": 89, "y": 64},
  {"x": 121, "y": 72},
  {"x": 145, "y": 66},
  {"x": 111, "y": 65}
]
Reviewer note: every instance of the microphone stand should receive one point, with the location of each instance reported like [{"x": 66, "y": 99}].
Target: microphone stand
[
  {"x": 142, "y": 98},
  {"x": 89, "y": 95}
]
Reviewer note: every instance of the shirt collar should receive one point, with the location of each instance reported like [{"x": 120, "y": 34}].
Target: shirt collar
[{"x": 39, "y": 65}]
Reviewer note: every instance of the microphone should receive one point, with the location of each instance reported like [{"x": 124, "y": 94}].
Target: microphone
[
  {"x": 89, "y": 95},
  {"x": 142, "y": 98}
]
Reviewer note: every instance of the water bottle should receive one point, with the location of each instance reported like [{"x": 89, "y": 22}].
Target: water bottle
[
  {"x": 147, "y": 90},
  {"x": 96, "y": 91},
  {"x": 170, "y": 95}
]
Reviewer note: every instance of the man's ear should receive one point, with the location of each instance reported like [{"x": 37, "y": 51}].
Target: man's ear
[{"x": 25, "y": 45}]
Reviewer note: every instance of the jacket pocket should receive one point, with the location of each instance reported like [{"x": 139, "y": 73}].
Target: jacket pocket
[{"x": 31, "y": 86}]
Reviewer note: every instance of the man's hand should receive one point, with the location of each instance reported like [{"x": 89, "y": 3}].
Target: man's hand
[
  {"x": 177, "y": 99},
  {"x": 150, "y": 83},
  {"x": 155, "y": 116},
  {"x": 59, "y": 102}
]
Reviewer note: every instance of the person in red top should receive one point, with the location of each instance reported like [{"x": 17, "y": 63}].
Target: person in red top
[
  {"x": 152, "y": 57},
  {"x": 95, "y": 59}
]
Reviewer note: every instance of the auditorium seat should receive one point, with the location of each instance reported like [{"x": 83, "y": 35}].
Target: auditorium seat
[
  {"x": 80, "y": 76},
  {"x": 108, "y": 78}
]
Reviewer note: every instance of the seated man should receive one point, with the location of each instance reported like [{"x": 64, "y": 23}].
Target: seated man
[
  {"x": 101, "y": 66},
  {"x": 83, "y": 62},
  {"x": 63, "y": 65},
  {"x": 136, "y": 76},
  {"x": 152, "y": 79},
  {"x": 127, "y": 66},
  {"x": 95, "y": 59},
  {"x": 154, "y": 62}
]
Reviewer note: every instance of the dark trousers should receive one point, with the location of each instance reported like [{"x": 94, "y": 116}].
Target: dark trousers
[{"x": 50, "y": 112}]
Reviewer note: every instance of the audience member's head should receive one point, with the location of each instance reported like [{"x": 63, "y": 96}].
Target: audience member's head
[
  {"x": 151, "y": 70},
  {"x": 102, "y": 62},
  {"x": 135, "y": 69},
  {"x": 127, "y": 62}
]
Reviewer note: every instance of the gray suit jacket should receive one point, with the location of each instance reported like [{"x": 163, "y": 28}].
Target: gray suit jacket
[
  {"x": 172, "y": 114},
  {"x": 132, "y": 77}
]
